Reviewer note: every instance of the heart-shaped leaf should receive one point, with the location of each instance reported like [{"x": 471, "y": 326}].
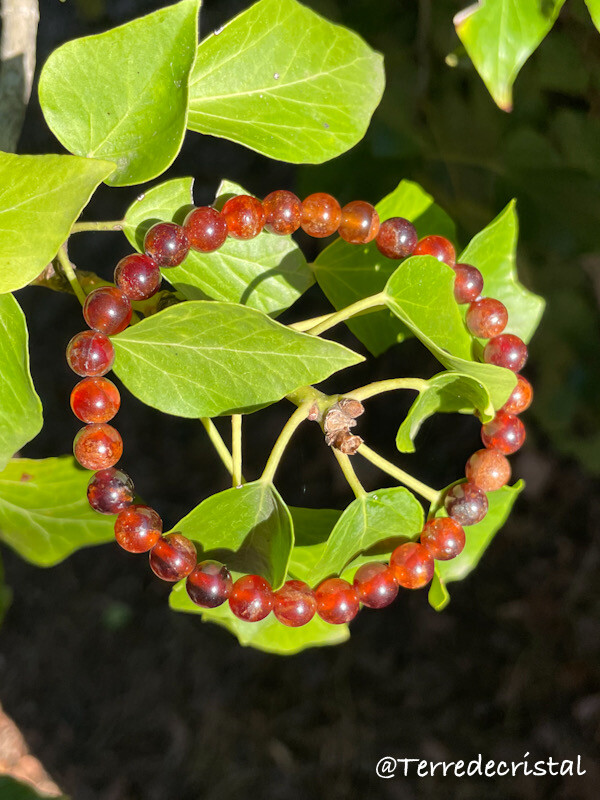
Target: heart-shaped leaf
[{"x": 312, "y": 527}]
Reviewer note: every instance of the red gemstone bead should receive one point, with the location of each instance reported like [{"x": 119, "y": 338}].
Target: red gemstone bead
[
  {"x": 110, "y": 491},
  {"x": 321, "y": 215},
  {"x": 244, "y": 215},
  {"x": 283, "y": 212},
  {"x": 486, "y": 317},
  {"x": 95, "y": 400},
  {"x": 173, "y": 557},
  {"x": 90, "y": 353},
  {"x": 360, "y": 222},
  {"x": 468, "y": 283},
  {"x": 251, "y": 598},
  {"x": 505, "y": 433},
  {"x": 107, "y": 310},
  {"x": 209, "y": 585},
  {"x": 337, "y": 601},
  {"x": 443, "y": 537},
  {"x": 137, "y": 276},
  {"x": 397, "y": 238},
  {"x": 98, "y": 446},
  {"x": 437, "y": 246},
  {"x": 520, "y": 398},
  {"x": 412, "y": 565},
  {"x": 507, "y": 351},
  {"x": 206, "y": 229},
  {"x": 488, "y": 469},
  {"x": 138, "y": 528},
  {"x": 294, "y": 604},
  {"x": 466, "y": 503},
  {"x": 376, "y": 585},
  {"x": 166, "y": 244}
]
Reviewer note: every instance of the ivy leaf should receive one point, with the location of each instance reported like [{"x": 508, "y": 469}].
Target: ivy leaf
[
  {"x": 268, "y": 273},
  {"x": 285, "y": 82},
  {"x": 438, "y": 594},
  {"x": 312, "y": 527},
  {"x": 250, "y": 526},
  {"x": 500, "y": 35},
  {"x": 40, "y": 199},
  {"x": 594, "y": 9},
  {"x": 447, "y": 392},
  {"x": 44, "y": 512},
  {"x": 347, "y": 273},
  {"x": 20, "y": 407},
  {"x": 123, "y": 95},
  {"x": 203, "y": 359}
]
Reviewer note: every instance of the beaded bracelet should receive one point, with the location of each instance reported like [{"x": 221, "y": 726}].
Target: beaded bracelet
[{"x": 138, "y": 528}]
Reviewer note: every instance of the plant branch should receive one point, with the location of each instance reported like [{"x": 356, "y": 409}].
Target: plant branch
[
  {"x": 349, "y": 473},
  {"x": 366, "y": 305},
  {"x": 432, "y": 495},
  {"x": 378, "y": 387},
  {"x": 288, "y": 430},
  {"x": 219, "y": 445},
  {"x": 236, "y": 449},
  {"x": 307, "y": 324},
  {"x": 110, "y": 225},
  {"x": 69, "y": 273}
]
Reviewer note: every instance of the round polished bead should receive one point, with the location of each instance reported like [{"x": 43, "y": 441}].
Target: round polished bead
[
  {"x": 283, "y": 212},
  {"x": 244, "y": 215},
  {"x": 466, "y": 503},
  {"x": 251, "y": 598},
  {"x": 321, "y": 215},
  {"x": 397, "y": 238},
  {"x": 138, "y": 528},
  {"x": 520, "y": 398},
  {"x": 110, "y": 491},
  {"x": 507, "y": 351},
  {"x": 98, "y": 446},
  {"x": 443, "y": 537},
  {"x": 437, "y": 246},
  {"x": 206, "y": 229},
  {"x": 137, "y": 276},
  {"x": 95, "y": 400},
  {"x": 166, "y": 244},
  {"x": 173, "y": 557},
  {"x": 468, "y": 283},
  {"x": 337, "y": 601},
  {"x": 90, "y": 354},
  {"x": 376, "y": 584},
  {"x": 294, "y": 604},
  {"x": 488, "y": 469},
  {"x": 359, "y": 223},
  {"x": 412, "y": 565},
  {"x": 209, "y": 585},
  {"x": 505, "y": 433},
  {"x": 486, "y": 317},
  {"x": 107, "y": 310}
]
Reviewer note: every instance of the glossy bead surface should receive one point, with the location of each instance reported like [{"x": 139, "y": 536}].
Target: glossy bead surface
[
  {"x": 251, "y": 598},
  {"x": 95, "y": 400},
  {"x": 110, "y": 491},
  {"x": 107, "y": 310},
  {"x": 206, "y": 229},
  {"x": 376, "y": 585},
  {"x": 466, "y": 503},
  {"x": 520, "y": 398},
  {"x": 505, "y": 433},
  {"x": 443, "y": 537},
  {"x": 468, "y": 283},
  {"x": 90, "y": 354},
  {"x": 488, "y": 469},
  {"x": 337, "y": 601},
  {"x": 98, "y": 446},
  {"x": 486, "y": 317},
  {"x": 138, "y": 528},
  {"x": 359, "y": 223},
  {"x": 412, "y": 565},
  {"x": 294, "y": 604},
  {"x": 507, "y": 351},
  {"x": 283, "y": 212},
  {"x": 209, "y": 584},
  {"x": 321, "y": 215},
  {"x": 166, "y": 244},
  {"x": 397, "y": 238},
  {"x": 173, "y": 557},
  {"x": 137, "y": 276},
  {"x": 244, "y": 215},
  {"x": 437, "y": 246}
]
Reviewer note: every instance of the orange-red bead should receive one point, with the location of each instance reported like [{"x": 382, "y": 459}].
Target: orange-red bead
[
  {"x": 90, "y": 354},
  {"x": 283, "y": 212},
  {"x": 321, "y": 215},
  {"x": 437, "y": 246},
  {"x": 505, "y": 433},
  {"x": 95, "y": 400},
  {"x": 209, "y": 585},
  {"x": 506, "y": 350},
  {"x": 166, "y": 244},
  {"x": 110, "y": 491},
  {"x": 412, "y": 565},
  {"x": 359, "y": 223},
  {"x": 520, "y": 398},
  {"x": 244, "y": 215},
  {"x": 486, "y": 317},
  {"x": 468, "y": 283},
  {"x": 337, "y": 601},
  {"x": 173, "y": 557},
  {"x": 98, "y": 446},
  {"x": 443, "y": 537},
  {"x": 137, "y": 276},
  {"x": 251, "y": 598},
  {"x": 206, "y": 229},
  {"x": 108, "y": 310},
  {"x": 138, "y": 528},
  {"x": 294, "y": 604},
  {"x": 376, "y": 584},
  {"x": 466, "y": 503},
  {"x": 397, "y": 238},
  {"x": 488, "y": 469}
]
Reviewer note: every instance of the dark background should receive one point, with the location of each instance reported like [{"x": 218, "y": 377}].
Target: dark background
[{"x": 122, "y": 699}]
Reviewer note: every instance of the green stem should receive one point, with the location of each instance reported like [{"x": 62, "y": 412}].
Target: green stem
[
  {"x": 432, "y": 495},
  {"x": 373, "y": 389},
  {"x": 69, "y": 273},
  {"x": 307, "y": 324},
  {"x": 283, "y": 440},
  {"x": 219, "y": 445},
  {"x": 367, "y": 304},
  {"x": 110, "y": 225},
  {"x": 236, "y": 449},
  {"x": 349, "y": 473}
]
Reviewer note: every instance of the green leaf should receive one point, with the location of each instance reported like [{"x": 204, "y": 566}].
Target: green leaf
[
  {"x": 20, "y": 407},
  {"x": 203, "y": 359},
  {"x": 268, "y": 273},
  {"x": 123, "y": 95},
  {"x": 594, "y": 9},
  {"x": 11, "y": 789},
  {"x": 347, "y": 273},
  {"x": 40, "y": 199},
  {"x": 44, "y": 512},
  {"x": 285, "y": 82},
  {"x": 250, "y": 526},
  {"x": 500, "y": 35},
  {"x": 312, "y": 527},
  {"x": 438, "y": 594},
  {"x": 493, "y": 251}
]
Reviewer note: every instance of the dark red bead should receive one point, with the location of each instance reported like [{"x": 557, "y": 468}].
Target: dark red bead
[
  {"x": 98, "y": 446},
  {"x": 443, "y": 537},
  {"x": 321, "y": 215},
  {"x": 437, "y": 246},
  {"x": 283, "y": 212},
  {"x": 412, "y": 565},
  {"x": 466, "y": 503},
  {"x": 488, "y": 469},
  {"x": 251, "y": 598},
  {"x": 244, "y": 215},
  {"x": 397, "y": 238},
  {"x": 520, "y": 398},
  {"x": 173, "y": 557},
  {"x": 138, "y": 528},
  {"x": 486, "y": 317},
  {"x": 206, "y": 229},
  {"x": 468, "y": 283},
  {"x": 360, "y": 222},
  {"x": 337, "y": 601},
  {"x": 110, "y": 491},
  {"x": 209, "y": 585},
  {"x": 294, "y": 604},
  {"x": 90, "y": 354},
  {"x": 95, "y": 400},
  {"x": 507, "y": 351},
  {"x": 505, "y": 433},
  {"x": 137, "y": 276},
  {"x": 166, "y": 244},
  {"x": 376, "y": 584},
  {"x": 107, "y": 310}
]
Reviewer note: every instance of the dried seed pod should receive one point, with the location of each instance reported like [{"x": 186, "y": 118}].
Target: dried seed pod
[
  {"x": 345, "y": 442},
  {"x": 352, "y": 408}
]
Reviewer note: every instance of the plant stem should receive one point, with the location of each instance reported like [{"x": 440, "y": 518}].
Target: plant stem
[
  {"x": 373, "y": 389},
  {"x": 367, "y": 304},
  {"x": 236, "y": 449},
  {"x": 282, "y": 442},
  {"x": 219, "y": 445},
  {"x": 110, "y": 225},
  {"x": 432, "y": 495},
  {"x": 69, "y": 273},
  {"x": 307, "y": 324},
  {"x": 349, "y": 473}
]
